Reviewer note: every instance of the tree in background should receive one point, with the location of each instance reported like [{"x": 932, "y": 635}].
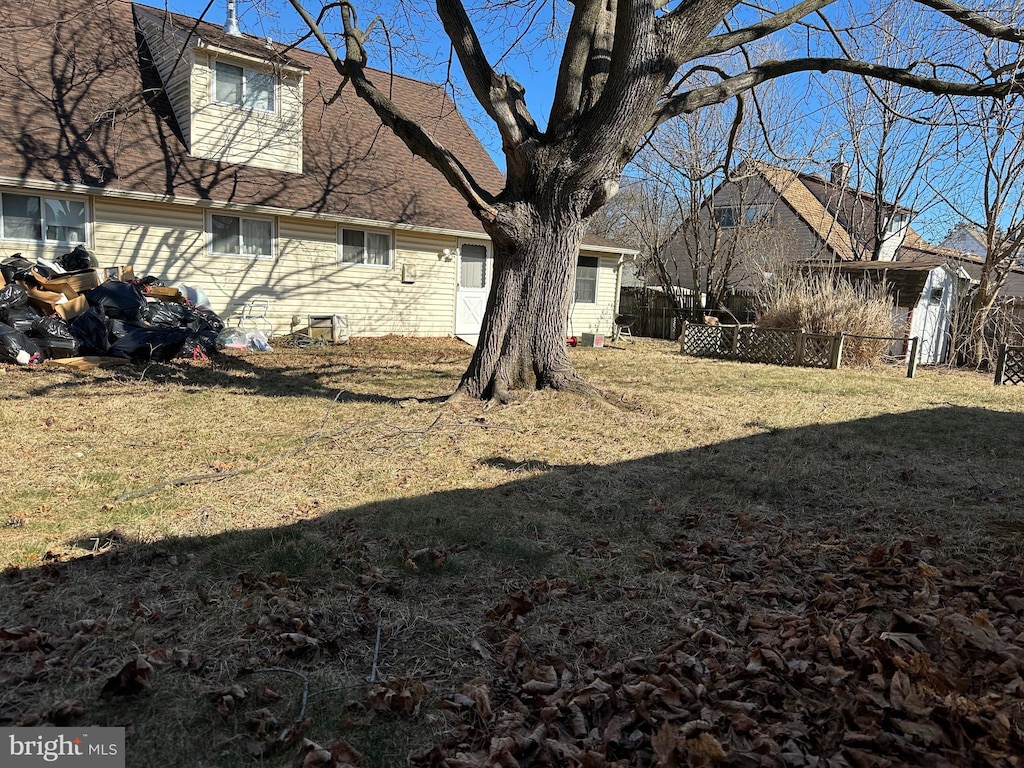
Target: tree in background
[
  {"x": 627, "y": 67},
  {"x": 991, "y": 162},
  {"x": 891, "y": 135}
]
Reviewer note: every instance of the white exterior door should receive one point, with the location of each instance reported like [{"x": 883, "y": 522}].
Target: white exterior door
[
  {"x": 930, "y": 321},
  {"x": 474, "y": 277}
]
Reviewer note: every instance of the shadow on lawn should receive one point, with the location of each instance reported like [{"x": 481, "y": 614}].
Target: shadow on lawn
[
  {"x": 948, "y": 479},
  {"x": 917, "y": 473},
  {"x": 257, "y": 376}
]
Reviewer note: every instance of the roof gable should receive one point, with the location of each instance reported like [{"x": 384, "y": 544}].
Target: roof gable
[
  {"x": 82, "y": 110},
  {"x": 841, "y": 217}
]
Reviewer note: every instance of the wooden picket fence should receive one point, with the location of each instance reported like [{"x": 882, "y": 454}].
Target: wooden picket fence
[
  {"x": 1010, "y": 365},
  {"x": 773, "y": 346}
]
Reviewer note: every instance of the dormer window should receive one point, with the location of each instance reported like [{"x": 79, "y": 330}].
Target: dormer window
[
  {"x": 896, "y": 223},
  {"x": 244, "y": 87}
]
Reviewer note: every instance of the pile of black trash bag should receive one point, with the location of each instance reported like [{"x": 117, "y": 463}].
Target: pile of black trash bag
[{"x": 120, "y": 321}]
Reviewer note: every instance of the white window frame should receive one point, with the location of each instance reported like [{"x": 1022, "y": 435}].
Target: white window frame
[
  {"x": 250, "y": 256},
  {"x": 896, "y": 224},
  {"x": 597, "y": 279},
  {"x": 244, "y": 103},
  {"x": 365, "y": 231},
  {"x": 43, "y": 198}
]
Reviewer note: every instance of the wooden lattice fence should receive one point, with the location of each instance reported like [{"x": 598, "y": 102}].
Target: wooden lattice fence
[
  {"x": 774, "y": 346},
  {"x": 1010, "y": 366}
]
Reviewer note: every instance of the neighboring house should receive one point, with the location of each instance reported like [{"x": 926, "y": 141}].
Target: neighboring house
[
  {"x": 768, "y": 218},
  {"x": 233, "y": 163}
]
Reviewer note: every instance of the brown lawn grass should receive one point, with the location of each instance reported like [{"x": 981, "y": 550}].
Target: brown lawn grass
[{"x": 350, "y": 497}]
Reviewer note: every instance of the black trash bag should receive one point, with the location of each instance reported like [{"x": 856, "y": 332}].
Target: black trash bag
[
  {"x": 20, "y": 318},
  {"x": 118, "y": 329},
  {"x": 44, "y": 272},
  {"x": 78, "y": 260},
  {"x": 53, "y": 336},
  {"x": 169, "y": 314},
  {"x": 212, "y": 319},
  {"x": 91, "y": 330},
  {"x": 202, "y": 344},
  {"x": 118, "y": 300},
  {"x": 156, "y": 282},
  {"x": 15, "y": 267},
  {"x": 11, "y": 297},
  {"x": 51, "y": 328},
  {"x": 16, "y": 347},
  {"x": 153, "y": 342}
]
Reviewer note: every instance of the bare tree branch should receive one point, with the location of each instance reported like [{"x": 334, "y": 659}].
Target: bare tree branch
[
  {"x": 976, "y": 21},
  {"x": 770, "y": 70},
  {"x": 747, "y": 35},
  {"x": 421, "y": 143},
  {"x": 499, "y": 95}
]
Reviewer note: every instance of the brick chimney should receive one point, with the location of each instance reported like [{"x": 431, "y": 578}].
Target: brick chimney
[{"x": 841, "y": 174}]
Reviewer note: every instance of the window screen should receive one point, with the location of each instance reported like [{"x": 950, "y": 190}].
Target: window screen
[
  {"x": 473, "y": 266},
  {"x": 586, "y": 279}
]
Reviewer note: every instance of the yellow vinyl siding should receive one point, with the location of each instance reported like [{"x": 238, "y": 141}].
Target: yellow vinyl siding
[
  {"x": 173, "y": 58},
  {"x": 168, "y": 241},
  {"x": 600, "y": 316},
  {"x": 237, "y": 135},
  {"x": 374, "y": 298},
  {"x": 153, "y": 239}
]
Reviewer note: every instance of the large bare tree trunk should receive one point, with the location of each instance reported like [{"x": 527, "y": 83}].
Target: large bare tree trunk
[{"x": 522, "y": 343}]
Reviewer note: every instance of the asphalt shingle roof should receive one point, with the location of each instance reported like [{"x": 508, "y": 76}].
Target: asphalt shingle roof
[{"x": 82, "y": 105}]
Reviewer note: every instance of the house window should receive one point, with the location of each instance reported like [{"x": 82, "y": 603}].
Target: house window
[
  {"x": 473, "y": 266},
  {"x": 43, "y": 219},
  {"x": 935, "y": 296},
  {"x": 586, "y": 279},
  {"x": 748, "y": 216},
  {"x": 241, "y": 236},
  {"x": 896, "y": 223},
  {"x": 359, "y": 247},
  {"x": 241, "y": 87}
]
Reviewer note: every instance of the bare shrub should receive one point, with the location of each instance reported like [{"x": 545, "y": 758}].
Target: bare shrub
[{"x": 830, "y": 305}]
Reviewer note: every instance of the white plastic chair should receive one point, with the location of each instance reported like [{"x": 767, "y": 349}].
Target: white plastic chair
[{"x": 254, "y": 315}]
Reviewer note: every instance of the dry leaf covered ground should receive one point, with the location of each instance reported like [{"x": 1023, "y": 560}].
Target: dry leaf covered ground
[{"x": 307, "y": 558}]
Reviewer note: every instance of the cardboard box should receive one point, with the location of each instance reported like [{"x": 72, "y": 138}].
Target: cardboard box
[
  {"x": 72, "y": 308},
  {"x": 80, "y": 282},
  {"x": 124, "y": 274},
  {"x": 58, "y": 298},
  {"x": 591, "y": 339},
  {"x": 164, "y": 294}
]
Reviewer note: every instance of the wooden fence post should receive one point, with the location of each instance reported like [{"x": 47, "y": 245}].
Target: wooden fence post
[
  {"x": 734, "y": 352},
  {"x": 836, "y": 358},
  {"x": 1001, "y": 364},
  {"x": 912, "y": 362},
  {"x": 798, "y": 347}
]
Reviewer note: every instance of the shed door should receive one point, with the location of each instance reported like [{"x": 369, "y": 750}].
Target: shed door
[
  {"x": 471, "y": 296},
  {"x": 931, "y": 317}
]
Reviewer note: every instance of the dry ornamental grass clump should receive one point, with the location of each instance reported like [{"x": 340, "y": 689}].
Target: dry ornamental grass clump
[{"x": 828, "y": 305}]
